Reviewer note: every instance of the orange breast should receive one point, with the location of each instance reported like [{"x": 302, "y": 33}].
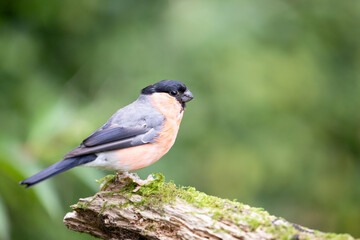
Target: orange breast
[{"x": 142, "y": 156}]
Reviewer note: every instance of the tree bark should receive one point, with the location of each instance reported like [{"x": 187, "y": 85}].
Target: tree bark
[{"x": 123, "y": 209}]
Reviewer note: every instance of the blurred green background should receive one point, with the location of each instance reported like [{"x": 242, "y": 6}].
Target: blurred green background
[{"x": 275, "y": 122}]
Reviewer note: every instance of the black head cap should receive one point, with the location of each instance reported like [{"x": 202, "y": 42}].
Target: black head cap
[
  {"x": 164, "y": 86},
  {"x": 173, "y": 88}
]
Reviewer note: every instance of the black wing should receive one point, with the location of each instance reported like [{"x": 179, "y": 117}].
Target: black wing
[
  {"x": 113, "y": 138},
  {"x": 113, "y": 134}
]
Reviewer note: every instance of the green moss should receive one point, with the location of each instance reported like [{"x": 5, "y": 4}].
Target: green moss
[
  {"x": 217, "y": 215},
  {"x": 253, "y": 223},
  {"x": 287, "y": 233},
  {"x": 105, "y": 181},
  {"x": 333, "y": 236},
  {"x": 109, "y": 206},
  {"x": 83, "y": 205},
  {"x": 103, "y": 208},
  {"x": 157, "y": 193}
]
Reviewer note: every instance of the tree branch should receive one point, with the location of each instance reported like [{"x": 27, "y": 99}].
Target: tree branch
[{"x": 124, "y": 210}]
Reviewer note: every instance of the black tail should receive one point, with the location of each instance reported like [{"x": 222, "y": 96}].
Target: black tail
[{"x": 57, "y": 168}]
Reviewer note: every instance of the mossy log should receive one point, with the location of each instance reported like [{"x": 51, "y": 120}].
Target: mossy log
[{"x": 158, "y": 210}]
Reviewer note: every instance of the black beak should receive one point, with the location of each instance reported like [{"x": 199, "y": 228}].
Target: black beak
[{"x": 187, "y": 96}]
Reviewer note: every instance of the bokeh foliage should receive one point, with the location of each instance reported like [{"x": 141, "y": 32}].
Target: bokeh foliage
[{"x": 275, "y": 121}]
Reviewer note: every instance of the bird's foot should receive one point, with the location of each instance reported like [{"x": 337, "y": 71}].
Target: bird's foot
[{"x": 135, "y": 178}]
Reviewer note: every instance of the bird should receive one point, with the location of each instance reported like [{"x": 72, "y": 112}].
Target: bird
[{"x": 134, "y": 137}]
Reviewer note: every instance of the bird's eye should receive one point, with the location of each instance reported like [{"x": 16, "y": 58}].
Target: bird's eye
[{"x": 174, "y": 93}]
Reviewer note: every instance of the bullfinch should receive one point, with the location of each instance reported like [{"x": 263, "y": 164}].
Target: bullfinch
[{"x": 134, "y": 137}]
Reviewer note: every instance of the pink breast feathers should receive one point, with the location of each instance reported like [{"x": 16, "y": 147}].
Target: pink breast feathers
[{"x": 138, "y": 157}]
